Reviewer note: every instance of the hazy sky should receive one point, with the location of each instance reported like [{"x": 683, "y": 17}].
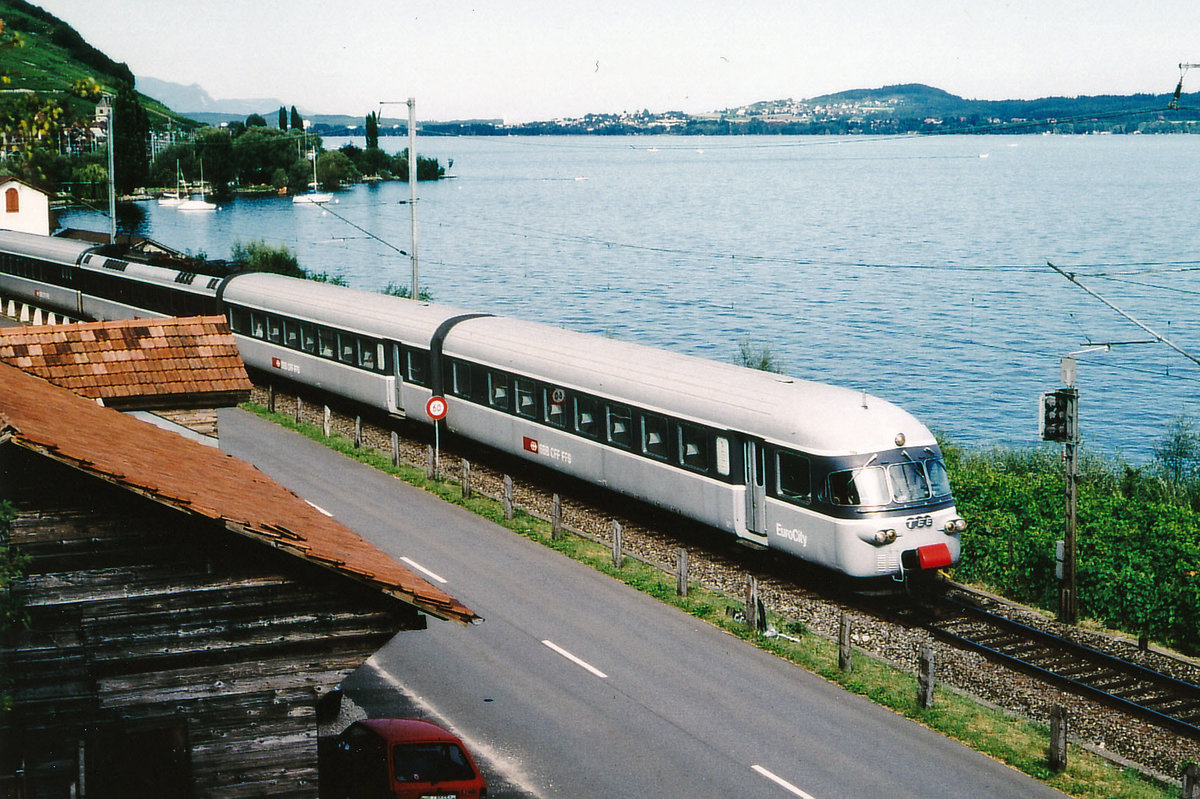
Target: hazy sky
[{"x": 542, "y": 59}]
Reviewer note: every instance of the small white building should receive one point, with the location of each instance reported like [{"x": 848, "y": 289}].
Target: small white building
[{"x": 25, "y": 208}]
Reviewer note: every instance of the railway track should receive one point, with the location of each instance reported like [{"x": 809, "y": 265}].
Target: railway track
[{"x": 1158, "y": 698}]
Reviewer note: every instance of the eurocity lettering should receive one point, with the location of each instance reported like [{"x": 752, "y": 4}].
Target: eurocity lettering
[
  {"x": 799, "y": 536},
  {"x": 285, "y": 366}
]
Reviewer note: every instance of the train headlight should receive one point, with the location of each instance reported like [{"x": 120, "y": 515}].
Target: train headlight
[
  {"x": 900, "y": 439},
  {"x": 955, "y": 526},
  {"x": 884, "y": 537}
]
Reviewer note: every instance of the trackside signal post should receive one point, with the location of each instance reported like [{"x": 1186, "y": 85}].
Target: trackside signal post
[{"x": 1059, "y": 421}]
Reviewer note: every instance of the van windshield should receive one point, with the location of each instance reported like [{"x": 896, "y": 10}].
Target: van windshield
[{"x": 431, "y": 762}]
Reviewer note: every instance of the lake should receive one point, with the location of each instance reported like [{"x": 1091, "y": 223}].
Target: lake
[{"x": 912, "y": 268}]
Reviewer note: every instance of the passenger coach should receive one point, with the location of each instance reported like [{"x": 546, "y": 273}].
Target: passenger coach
[{"x": 828, "y": 474}]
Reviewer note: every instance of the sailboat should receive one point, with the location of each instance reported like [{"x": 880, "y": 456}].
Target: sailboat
[
  {"x": 174, "y": 198},
  {"x": 313, "y": 196},
  {"x": 192, "y": 204}
]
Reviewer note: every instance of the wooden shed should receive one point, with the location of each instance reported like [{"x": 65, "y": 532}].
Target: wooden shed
[{"x": 185, "y": 613}]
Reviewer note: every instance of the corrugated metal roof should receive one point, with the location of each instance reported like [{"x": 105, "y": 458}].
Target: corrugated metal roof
[
  {"x": 199, "y": 480},
  {"x": 133, "y": 361}
]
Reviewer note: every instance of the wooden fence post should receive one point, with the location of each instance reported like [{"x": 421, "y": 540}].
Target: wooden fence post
[
  {"x": 271, "y": 398},
  {"x": 508, "y": 498},
  {"x": 618, "y": 557},
  {"x": 556, "y": 531},
  {"x": 327, "y": 426},
  {"x": 466, "y": 478},
  {"x": 395, "y": 450},
  {"x": 1191, "y": 781},
  {"x": 681, "y": 572},
  {"x": 926, "y": 677},
  {"x": 752, "y": 602},
  {"x": 299, "y": 409},
  {"x": 430, "y": 471},
  {"x": 845, "y": 652},
  {"x": 357, "y": 432},
  {"x": 1058, "y": 738}
]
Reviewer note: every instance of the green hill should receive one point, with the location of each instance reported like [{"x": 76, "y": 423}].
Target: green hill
[{"x": 54, "y": 57}]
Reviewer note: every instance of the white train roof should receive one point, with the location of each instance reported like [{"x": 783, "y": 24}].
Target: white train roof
[
  {"x": 50, "y": 248},
  {"x": 815, "y": 417},
  {"x": 819, "y": 418}
]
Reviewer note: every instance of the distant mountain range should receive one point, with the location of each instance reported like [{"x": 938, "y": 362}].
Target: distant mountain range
[{"x": 192, "y": 100}]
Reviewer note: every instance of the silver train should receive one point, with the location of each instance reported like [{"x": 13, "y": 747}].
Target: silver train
[{"x": 830, "y": 475}]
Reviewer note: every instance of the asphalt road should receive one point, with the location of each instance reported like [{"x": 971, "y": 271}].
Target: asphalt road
[{"x": 576, "y": 685}]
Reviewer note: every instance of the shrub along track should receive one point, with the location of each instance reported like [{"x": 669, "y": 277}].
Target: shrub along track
[{"x": 794, "y": 590}]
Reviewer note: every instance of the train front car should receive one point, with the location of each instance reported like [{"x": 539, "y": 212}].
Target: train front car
[{"x": 860, "y": 486}]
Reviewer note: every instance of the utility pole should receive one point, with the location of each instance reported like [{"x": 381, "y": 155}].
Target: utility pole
[
  {"x": 412, "y": 187},
  {"x": 412, "y": 182},
  {"x": 112, "y": 175}
]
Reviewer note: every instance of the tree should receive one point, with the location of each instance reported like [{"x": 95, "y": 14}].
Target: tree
[
  {"x": 131, "y": 141},
  {"x": 283, "y": 118},
  {"x": 255, "y": 121},
  {"x": 297, "y": 120},
  {"x": 214, "y": 151},
  {"x": 372, "y": 130},
  {"x": 333, "y": 169}
]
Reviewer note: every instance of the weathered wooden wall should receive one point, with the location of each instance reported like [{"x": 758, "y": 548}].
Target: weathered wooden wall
[{"x": 154, "y": 634}]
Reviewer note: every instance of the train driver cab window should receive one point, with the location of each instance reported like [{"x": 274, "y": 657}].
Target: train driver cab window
[
  {"x": 793, "y": 479},
  {"x": 526, "y": 393},
  {"x": 654, "y": 436},
  {"x": 308, "y": 338},
  {"x": 693, "y": 447},
  {"x": 327, "y": 342},
  {"x": 619, "y": 426},
  {"x": 859, "y": 487},
  {"x": 586, "y": 423},
  {"x": 498, "y": 396},
  {"x": 939, "y": 481},
  {"x": 908, "y": 482},
  {"x": 554, "y": 401}
]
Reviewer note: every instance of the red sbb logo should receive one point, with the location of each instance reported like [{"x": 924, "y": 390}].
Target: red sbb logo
[{"x": 530, "y": 444}]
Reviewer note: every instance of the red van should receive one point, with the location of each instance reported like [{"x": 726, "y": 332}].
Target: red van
[{"x": 405, "y": 759}]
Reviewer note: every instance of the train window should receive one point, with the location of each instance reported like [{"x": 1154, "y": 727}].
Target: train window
[
  {"x": 308, "y": 338},
  {"x": 498, "y": 396},
  {"x": 722, "y": 456},
  {"x": 693, "y": 447},
  {"x": 461, "y": 379},
  {"x": 418, "y": 367},
  {"x": 908, "y": 482},
  {"x": 369, "y": 354},
  {"x": 239, "y": 320},
  {"x": 258, "y": 327},
  {"x": 938, "y": 479},
  {"x": 327, "y": 342},
  {"x": 274, "y": 330},
  {"x": 654, "y": 436},
  {"x": 619, "y": 426},
  {"x": 793, "y": 478},
  {"x": 347, "y": 348},
  {"x": 586, "y": 410},
  {"x": 526, "y": 397},
  {"x": 554, "y": 401},
  {"x": 291, "y": 334},
  {"x": 859, "y": 487}
]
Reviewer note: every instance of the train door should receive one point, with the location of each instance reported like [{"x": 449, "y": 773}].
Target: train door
[
  {"x": 398, "y": 372},
  {"x": 756, "y": 487}
]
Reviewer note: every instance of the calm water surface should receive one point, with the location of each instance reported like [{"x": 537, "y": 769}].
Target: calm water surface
[{"x": 912, "y": 268}]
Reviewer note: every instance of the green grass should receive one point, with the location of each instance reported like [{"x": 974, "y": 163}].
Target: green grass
[{"x": 1021, "y": 744}]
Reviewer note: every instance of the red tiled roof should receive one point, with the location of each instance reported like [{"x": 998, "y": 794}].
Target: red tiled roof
[
  {"x": 201, "y": 480},
  {"x": 143, "y": 362}
]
